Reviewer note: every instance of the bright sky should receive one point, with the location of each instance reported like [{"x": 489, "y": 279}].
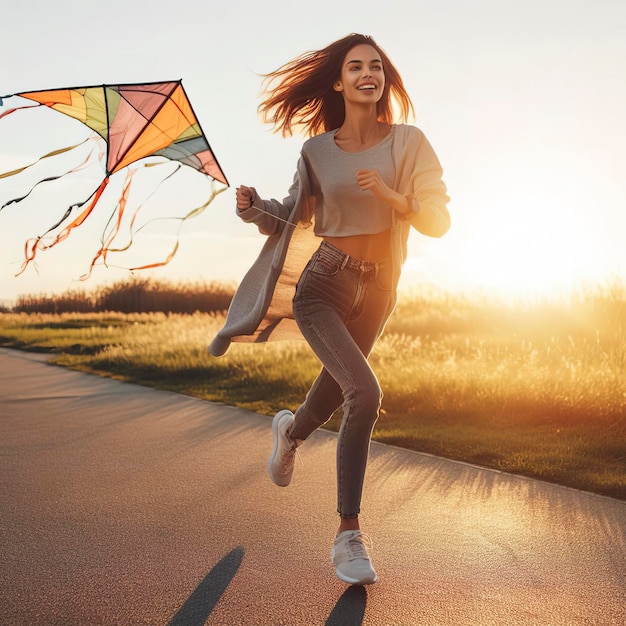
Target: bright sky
[{"x": 523, "y": 102}]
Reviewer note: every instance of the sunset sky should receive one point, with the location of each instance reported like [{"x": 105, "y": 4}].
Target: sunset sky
[{"x": 523, "y": 102}]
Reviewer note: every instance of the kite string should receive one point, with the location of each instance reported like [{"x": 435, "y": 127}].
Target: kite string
[{"x": 276, "y": 217}]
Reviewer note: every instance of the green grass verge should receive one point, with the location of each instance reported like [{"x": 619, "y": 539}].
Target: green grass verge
[{"x": 545, "y": 400}]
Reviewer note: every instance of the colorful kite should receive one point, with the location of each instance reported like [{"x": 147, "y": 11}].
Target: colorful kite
[{"x": 136, "y": 121}]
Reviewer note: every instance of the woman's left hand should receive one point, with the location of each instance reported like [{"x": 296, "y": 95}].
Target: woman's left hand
[{"x": 371, "y": 180}]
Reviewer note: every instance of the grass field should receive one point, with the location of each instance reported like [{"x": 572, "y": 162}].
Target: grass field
[{"x": 537, "y": 389}]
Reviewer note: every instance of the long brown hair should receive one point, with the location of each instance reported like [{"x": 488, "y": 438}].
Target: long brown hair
[{"x": 300, "y": 93}]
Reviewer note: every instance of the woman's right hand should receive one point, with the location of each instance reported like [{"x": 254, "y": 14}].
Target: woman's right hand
[{"x": 245, "y": 196}]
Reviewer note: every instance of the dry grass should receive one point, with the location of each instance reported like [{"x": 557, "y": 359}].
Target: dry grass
[{"x": 537, "y": 389}]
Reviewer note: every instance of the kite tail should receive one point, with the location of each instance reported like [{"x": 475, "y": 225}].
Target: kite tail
[
  {"x": 9, "y": 112},
  {"x": 119, "y": 211},
  {"x": 193, "y": 213},
  {"x": 131, "y": 225},
  {"x": 36, "y": 243},
  {"x": 50, "y": 178},
  {"x": 24, "y": 106}
]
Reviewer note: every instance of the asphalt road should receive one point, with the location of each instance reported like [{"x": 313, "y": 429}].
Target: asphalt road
[{"x": 124, "y": 505}]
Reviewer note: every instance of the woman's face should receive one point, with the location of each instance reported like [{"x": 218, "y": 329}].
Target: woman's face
[{"x": 362, "y": 75}]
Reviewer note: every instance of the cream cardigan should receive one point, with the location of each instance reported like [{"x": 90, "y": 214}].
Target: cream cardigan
[{"x": 261, "y": 308}]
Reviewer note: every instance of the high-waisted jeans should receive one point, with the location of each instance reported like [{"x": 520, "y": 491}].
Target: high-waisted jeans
[{"x": 340, "y": 305}]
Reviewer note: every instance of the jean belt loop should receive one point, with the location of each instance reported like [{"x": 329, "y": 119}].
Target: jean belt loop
[{"x": 346, "y": 258}]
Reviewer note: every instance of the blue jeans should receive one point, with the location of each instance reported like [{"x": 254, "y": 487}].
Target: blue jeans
[{"x": 341, "y": 305}]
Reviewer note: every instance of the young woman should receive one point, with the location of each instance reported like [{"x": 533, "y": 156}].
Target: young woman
[{"x": 335, "y": 245}]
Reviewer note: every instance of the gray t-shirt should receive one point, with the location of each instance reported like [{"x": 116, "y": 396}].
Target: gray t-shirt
[{"x": 342, "y": 208}]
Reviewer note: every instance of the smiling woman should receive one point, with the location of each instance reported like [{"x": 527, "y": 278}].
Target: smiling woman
[{"x": 336, "y": 244}]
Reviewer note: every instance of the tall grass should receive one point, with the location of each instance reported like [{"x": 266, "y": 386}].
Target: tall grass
[
  {"x": 138, "y": 295},
  {"x": 533, "y": 388}
]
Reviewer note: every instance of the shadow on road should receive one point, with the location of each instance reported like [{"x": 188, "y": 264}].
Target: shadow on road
[
  {"x": 202, "y": 601},
  {"x": 350, "y": 608}
]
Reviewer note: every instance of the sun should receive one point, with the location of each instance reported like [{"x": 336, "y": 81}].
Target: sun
[{"x": 527, "y": 246}]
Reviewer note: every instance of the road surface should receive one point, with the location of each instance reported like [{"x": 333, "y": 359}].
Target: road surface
[{"x": 124, "y": 505}]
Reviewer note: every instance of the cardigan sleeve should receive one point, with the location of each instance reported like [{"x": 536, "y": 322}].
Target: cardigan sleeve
[{"x": 428, "y": 195}]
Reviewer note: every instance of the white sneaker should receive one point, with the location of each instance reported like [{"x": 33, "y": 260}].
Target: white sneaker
[
  {"x": 283, "y": 457},
  {"x": 352, "y": 562}
]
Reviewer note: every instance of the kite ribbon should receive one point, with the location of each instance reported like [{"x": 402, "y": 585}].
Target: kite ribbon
[
  {"x": 108, "y": 241},
  {"x": 36, "y": 243},
  {"x": 49, "y": 178},
  {"x": 119, "y": 210},
  {"x": 45, "y": 156},
  {"x": 28, "y": 106},
  {"x": 192, "y": 213}
]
